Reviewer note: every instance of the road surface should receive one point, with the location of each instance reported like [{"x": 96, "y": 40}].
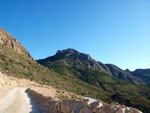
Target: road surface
[{"x": 18, "y": 101}]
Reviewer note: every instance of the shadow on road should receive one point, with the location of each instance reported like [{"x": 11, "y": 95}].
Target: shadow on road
[{"x": 35, "y": 105}]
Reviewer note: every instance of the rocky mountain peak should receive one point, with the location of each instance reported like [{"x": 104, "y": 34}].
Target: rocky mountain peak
[
  {"x": 9, "y": 41},
  {"x": 75, "y": 53},
  {"x": 128, "y": 71},
  {"x": 71, "y": 57},
  {"x": 68, "y": 52}
]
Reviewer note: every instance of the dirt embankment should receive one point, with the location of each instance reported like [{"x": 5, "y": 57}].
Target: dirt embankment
[{"x": 51, "y": 105}]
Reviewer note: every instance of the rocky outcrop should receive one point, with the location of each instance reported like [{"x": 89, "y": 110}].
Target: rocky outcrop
[
  {"x": 83, "y": 106},
  {"x": 9, "y": 41}
]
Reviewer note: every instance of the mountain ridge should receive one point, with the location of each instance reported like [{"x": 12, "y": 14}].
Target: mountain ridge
[
  {"x": 144, "y": 74},
  {"x": 87, "y": 62},
  {"x": 77, "y": 55}
]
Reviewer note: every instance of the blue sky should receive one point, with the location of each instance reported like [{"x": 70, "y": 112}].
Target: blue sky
[{"x": 111, "y": 31}]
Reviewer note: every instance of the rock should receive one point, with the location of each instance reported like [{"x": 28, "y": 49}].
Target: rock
[{"x": 9, "y": 41}]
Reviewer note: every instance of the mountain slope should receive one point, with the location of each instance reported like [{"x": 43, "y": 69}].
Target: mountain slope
[
  {"x": 143, "y": 74},
  {"x": 119, "y": 73},
  {"x": 75, "y": 59}
]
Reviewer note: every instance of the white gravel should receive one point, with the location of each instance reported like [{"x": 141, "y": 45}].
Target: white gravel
[{"x": 18, "y": 101}]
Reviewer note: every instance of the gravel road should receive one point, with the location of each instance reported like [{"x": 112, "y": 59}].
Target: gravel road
[{"x": 18, "y": 101}]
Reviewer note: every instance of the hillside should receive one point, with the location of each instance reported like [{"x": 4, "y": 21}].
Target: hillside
[
  {"x": 144, "y": 74},
  {"x": 119, "y": 73}
]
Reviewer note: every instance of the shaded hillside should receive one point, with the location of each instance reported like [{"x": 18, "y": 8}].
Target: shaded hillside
[
  {"x": 119, "y": 73},
  {"x": 143, "y": 74}
]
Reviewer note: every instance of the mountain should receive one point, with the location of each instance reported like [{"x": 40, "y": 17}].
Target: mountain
[
  {"x": 79, "y": 74},
  {"x": 128, "y": 71},
  {"x": 75, "y": 59},
  {"x": 119, "y": 73}
]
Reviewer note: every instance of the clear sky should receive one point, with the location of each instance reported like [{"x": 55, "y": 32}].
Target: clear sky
[{"x": 111, "y": 31}]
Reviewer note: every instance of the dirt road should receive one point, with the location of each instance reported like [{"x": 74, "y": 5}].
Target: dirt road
[{"x": 18, "y": 101}]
